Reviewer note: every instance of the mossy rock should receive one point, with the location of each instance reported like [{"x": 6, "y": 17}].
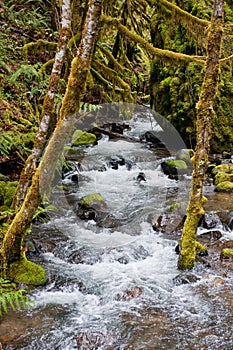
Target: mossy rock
[
  {"x": 7, "y": 192},
  {"x": 226, "y": 168},
  {"x": 83, "y": 138},
  {"x": 92, "y": 207},
  {"x": 222, "y": 177},
  {"x": 226, "y": 253},
  {"x": 25, "y": 271},
  {"x": 225, "y": 186},
  {"x": 177, "y": 163},
  {"x": 92, "y": 199}
]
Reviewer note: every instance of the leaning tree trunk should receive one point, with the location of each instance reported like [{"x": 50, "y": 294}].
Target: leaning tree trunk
[
  {"x": 48, "y": 106},
  {"x": 41, "y": 181},
  {"x": 205, "y": 114}
]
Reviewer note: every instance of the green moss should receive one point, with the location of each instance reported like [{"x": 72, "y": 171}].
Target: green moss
[
  {"x": 222, "y": 177},
  {"x": 175, "y": 206},
  {"x": 83, "y": 138},
  {"x": 225, "y": 186},
  {"x": 7, "y": 192},
  {"x": 226, "y": 253},
  {"x": 201, "y": 248},
  {"x": 226, "y": 168},
  {"x": 91, "y": 198},
  {"x": 179, "y": 164},
  {"x": 25, "y": 271}
]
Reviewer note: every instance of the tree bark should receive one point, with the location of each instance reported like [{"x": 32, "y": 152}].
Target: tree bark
[
  {"x": 205, "y": 114},
  {"x": 48, "y": 106},
  {"x": 41, "y": 181}
]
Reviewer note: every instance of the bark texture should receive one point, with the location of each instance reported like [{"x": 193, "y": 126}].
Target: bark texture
[
  {"x": 48, "y": 107},
  {"x": 41, "y": 181},
  {"x": 205, "y": 114}
]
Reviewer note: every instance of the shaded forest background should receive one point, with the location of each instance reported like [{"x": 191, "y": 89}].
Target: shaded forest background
[{"x": 121, "y": 69}]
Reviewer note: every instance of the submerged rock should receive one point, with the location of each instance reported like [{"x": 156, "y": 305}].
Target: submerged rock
[
  {"x": 92, "y": 207},
  {"x": 134, "y": 292},
  {"x": 210, "y": 236},
  {"x": 185, "y": 278}
]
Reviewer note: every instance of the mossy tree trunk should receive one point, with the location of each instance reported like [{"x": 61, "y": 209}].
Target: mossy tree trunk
[
  {"x": 42, "y": 178},
  {"x": 205, "y": 114},
  {"x": 48, "y": 107}
]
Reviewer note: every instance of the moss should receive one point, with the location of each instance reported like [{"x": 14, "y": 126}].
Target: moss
[
  {"x": 25, "y": 271},
  {"x": 83, "y": 138},
  {"x": 175, "y": 206},
  {"x": 226, "y": 253},
  {"x": 179, "y": 164},
  {"x": 222, "y": 177},
  {"x": 91, "y": 198},
  {"x": 225, "y": 186},
  {"x": 204, "y": 200},
  {"x": 226, "y": 168},
  {"x": 7, "y": 192},
  {"x": 201, "y": 248}
]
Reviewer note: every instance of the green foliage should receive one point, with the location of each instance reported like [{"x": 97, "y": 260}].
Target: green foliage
[
  {"x": 175, "y": 88},
  {"x": 6, "y": 143},
  {"x": 42, "y": 211},
  {"x": 11, "y": 297}
]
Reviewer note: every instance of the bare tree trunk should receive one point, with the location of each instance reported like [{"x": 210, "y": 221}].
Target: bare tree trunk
[
  {"x": 205, "y": 114},
  {"x": 48, "y": 106},
  {"x": 41, "y": 181}
]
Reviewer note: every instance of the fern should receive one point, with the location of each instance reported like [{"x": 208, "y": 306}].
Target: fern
[
  {"x": 6, "y": 142},
  {"x": 27, "y": 71},
  {"x": 12, "y": 297}
]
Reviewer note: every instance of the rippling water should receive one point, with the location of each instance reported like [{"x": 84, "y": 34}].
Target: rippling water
[{"x": 90, "y": 268}]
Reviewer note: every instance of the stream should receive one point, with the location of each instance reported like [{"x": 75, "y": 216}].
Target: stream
[{"x": 116, "y": 285}]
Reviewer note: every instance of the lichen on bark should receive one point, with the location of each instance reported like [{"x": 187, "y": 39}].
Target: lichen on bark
[{"x": 205, "y": 115}]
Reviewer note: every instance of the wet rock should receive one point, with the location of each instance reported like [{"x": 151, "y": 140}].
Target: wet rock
[
  {"x": 169, "y": 223},
  {"x": 173, "y": 168},
  {"x": 141, "y": 177},
  {"x": 185, "y": 278},
  {"x": 210, "y": 236},
  {"x": 97, "y": 340},
  {"x": 217, "y": 282},
  {"x": 116, "y": 161},
  {"x": 90, "y": 340},
  {"x": 230, "y": 223},
  {"x": 92, "y": 207},
  {"x": 169, "y": 170},
  {"x": 153, "y": 138},
  {"x": 134, "y": 292},
  {"x": 210, "y": 220}
]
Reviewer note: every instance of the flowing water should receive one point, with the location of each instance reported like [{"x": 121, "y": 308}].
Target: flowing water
[{"x": 114, "y": 286}]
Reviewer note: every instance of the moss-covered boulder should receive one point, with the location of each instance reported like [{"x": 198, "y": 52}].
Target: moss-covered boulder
[
  {"x": 174, "y": 167},
  {"x": 225, "y": 186},
  {"x": 25, "y": 271},
  {"x": 92, "y": 207},
  {"x": 226, "y": 168},
  {"x": 222, "y": 177},
  {"x": 83, "y": 138}
]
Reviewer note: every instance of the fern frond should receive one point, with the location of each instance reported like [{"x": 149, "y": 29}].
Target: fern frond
[{"x": 11, "y": 297}]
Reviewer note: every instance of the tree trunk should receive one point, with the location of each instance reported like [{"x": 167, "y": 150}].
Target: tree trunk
[
  {"x": 205, "y": 114},
  {"x": 48, "y": 106},
  {"x": 41, "y": 181}
]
